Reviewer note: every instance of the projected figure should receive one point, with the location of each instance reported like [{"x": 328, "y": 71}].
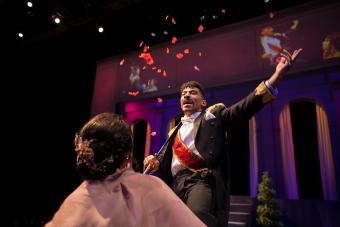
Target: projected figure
[
  {"x": 272, "y": 42},
  {"x": 136, "y": 83},
  {"x": 151, "y": 86},
  {"x": 135, "y": 77},
  {"x": 331, "y": 46}
]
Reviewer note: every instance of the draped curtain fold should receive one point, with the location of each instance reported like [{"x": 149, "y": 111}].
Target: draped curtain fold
[
  {"x": 147, "y": 141},
  {"x": 253, "y": 157},
  {"x": 287, "y": 154},
  {"x": 325, "y": 155}
]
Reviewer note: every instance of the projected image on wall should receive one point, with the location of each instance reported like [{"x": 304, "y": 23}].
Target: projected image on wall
[
  {"x": 137, "y": 84},
  {"x": 229, "y": 55},
  {"x": 331, "y": 46},
  {"x": 273, "y": 40}
]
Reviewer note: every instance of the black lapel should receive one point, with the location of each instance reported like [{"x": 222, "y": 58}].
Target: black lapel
[{"x": 197, "y": 123}]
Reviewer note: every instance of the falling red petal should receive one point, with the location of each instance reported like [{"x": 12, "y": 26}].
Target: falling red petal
[
  {"x": 159, "y": 70},
  {"x": 271, "y": 15},
  {"x": 122, "y": 62},
  {"x": 196, "y": 68},
  {"x": 141, "y": 44},
  {"x": 166, "y": 17},
  {"x": 179, "y": 55},
  {"x": 223, "y": 11},
  {"x": 159, "y": 100},
  {"x": 278, "y": 59},
  {"x": 144, "y": 67},
  {"x": 154, "y": 67},
  {"x": 174, "y": 40},
  {"x": 133, "y": 93},
  {"x": 173, "y": 20},
  {"x": 167, "y": 50},
  {"x": 200, "y": 28},
  {"x": 146, "y": 48},
  {"x": 200, "y": 54},
  {"x": 148, "y": 58},
  {"x": 186, "y": 51},
  {"x": 164, "y": 73}
]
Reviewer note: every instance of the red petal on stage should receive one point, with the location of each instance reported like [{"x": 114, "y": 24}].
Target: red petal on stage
[
  {"x": 196, "y": 68},
  {"x": 167, "y": 50},
  {"x": 164, "y": 73},
  {"x": 166, "y": 17},
  {"x": 200, "y": 54},
  {"x": 122, "y": 62},
  {"x": 159, "y": 70}
]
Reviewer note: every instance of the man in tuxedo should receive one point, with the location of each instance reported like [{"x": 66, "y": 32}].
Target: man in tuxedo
[{"x": 194, "y": 160}]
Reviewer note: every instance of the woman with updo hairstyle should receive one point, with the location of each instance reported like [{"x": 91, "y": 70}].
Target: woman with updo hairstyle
[
  {"x": 103, "y": 145},
  {"x": 112, "y": 193}
]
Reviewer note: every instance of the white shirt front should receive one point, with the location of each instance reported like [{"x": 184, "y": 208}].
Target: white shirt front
[{"x": 185, "y": 133}]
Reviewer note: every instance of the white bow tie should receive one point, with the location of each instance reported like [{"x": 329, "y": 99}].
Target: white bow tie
[{"x": 187, "y": 120}]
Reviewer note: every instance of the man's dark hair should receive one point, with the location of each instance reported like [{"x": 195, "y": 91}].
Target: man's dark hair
[{"x": 193, "y": 84}]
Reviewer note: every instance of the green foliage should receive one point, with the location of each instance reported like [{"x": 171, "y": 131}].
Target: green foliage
[{"x": 267, "y": 214}]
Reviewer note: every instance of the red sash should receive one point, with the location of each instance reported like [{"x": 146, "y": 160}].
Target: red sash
[{"x": 185, "y": 156}]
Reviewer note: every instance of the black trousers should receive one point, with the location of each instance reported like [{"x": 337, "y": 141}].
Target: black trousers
[{"x": 197, "y": 191}]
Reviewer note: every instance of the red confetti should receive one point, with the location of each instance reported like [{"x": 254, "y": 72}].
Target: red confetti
[
  {"x": 122, "y": 62},
  {"x": 271, "y": 15},
  {"x": 173, "y": 20},
  {"x": 179, "y": 55},
  {"x": 200, "y": 28},
  {"x": 167, "y": 50},
  {"x": 146, "y": 48},
  {"x": 166, "y": 17},
  {"x": 200, "y": 54},
  {"x": 141, "y": 44},
  {"x": 174, "y": 40},
  {"x": 223, "y": 11},
  {"x": 278, "y": 59},
  {"x": 133, "y": 93},
  {"x": 196, "y": 68},
  {"x": 186, "y": 51},
  {"x": 144, "y": 67},
  {"x": 154, "y": 67},
  {"x": 164, "y": 73},
  {"x": 148, "y": 58},
  {"x": 159, "y": 70}
]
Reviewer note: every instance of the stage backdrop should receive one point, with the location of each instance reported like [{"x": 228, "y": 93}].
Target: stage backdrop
[{"x": 241, "y": 52}]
